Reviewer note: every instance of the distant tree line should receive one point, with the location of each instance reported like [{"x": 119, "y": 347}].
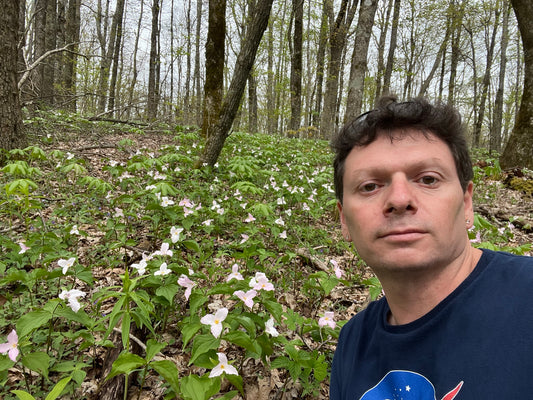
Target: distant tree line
[{"x": 292, "y": 67}]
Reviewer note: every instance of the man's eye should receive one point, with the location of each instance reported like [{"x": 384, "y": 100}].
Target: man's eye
[
  {"x": 369, "y": 187},
  {"x": 428, "y": 180}
]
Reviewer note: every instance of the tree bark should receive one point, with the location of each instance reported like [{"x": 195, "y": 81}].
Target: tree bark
[
  {"x": 358, "y": 68},
  {"x": 296, "y": 65},
  {"x": 245, "y": 60},
  {"x": 119, "y": 15},
  {"x": 11, "y": 129},
  {"x": 337, "y": 43},
  {"x": 496, "y": 132},
  {"x": 519, "y": 149},
  {"x": 214, "y": 65},
  {"x": 155, "y": 65},
  {"x": 486, "y": 81},
  {"x": 392, "y": 47},
  {"x": 320, "y": 62},
  {"x": 197, "y": 77}
]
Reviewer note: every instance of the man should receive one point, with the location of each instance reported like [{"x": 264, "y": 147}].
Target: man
[{"x": 456, "y": 321}]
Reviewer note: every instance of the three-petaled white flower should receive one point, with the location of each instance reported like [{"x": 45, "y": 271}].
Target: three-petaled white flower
[
  {"x": 235, "y": 274},
  {"x": 23, "y": 247},
  {"x": 175, "y": 234},
  {"x": 269, "y": 328},
  {"x": 66, "y": 264},
  {"x": 223, "y": 367},
  {"x": 164, "y": 250},
  {"x": 327, "y": 319},
  {"x": 140, "y": 267},
  {"x": 246, "y": 297},
  {"x": 72, "y": 297},
  {"x": 250, "y": 218},
  {"x": 187, "y": 283},
  {"x": 163, "y": 270},
  {"x": 74, "y": 230},
  {"x": 11, "y": 347},
  {"x": 261, "y": 282},
  {"x": 165, "y": 201},
  {"x": 215, "y": 320}
]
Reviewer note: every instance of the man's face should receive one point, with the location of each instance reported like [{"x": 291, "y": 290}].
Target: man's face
[{"x": 403, "y": 205}]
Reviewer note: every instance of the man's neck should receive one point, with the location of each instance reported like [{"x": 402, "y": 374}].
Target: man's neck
[{"x": 412, "y": 295}]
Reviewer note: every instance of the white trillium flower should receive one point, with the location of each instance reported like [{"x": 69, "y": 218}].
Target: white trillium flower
[{"x": 223, "y": 367}]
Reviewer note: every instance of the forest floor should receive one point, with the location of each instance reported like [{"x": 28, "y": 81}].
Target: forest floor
[{"x": 495, "y": 201}]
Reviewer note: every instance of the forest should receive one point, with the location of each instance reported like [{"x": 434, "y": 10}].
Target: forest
[{"x": 168, "y": 222}]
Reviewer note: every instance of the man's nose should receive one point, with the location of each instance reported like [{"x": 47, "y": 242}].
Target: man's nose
[{"x": 400, "y": 196}]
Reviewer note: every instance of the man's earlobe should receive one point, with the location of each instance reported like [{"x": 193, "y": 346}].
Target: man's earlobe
[{"x": 344, "y": 227}]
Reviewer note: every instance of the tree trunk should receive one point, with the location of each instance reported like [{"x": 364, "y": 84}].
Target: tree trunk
[
  {"x": 153, "y": 80},
  {"x": 135, "y": 72},
  {"x": 271, "y": 93},
  {"x": 197, "y": 77},
  {"x": 486, "y": 81},
  {"x": 392, "y": 47},
  {"x": 337, "y": 42},
  {"x": 106, "y": 54},
  {"x": 252, "y": 104},
  {"x": 11, "y": 129},
  {"x": 245, "y": 60},
  {"x": 296, "y": 65},
  {"x": 214, "y": 65},
  {"x": 496, "y": 132},
  {"x": 356, "y": 85},
  {"x": 519, "y": 149},
  {"x": 457, "y": 27},
  {"x": 70, "y": 59},
  {"x": 320, "y": 62},
  {"x": 119, "y": 14},
  {"x": 383, "y": 29}
]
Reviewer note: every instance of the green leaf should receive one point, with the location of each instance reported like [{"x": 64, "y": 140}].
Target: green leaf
[
  {"x": 31, "y": 321},
  {"x": 38, "y": 362},
  {"x": 168, "y": 370},
  {"x": 22, "y": 395},
  {"x": 125, "y": 330},
  {"x": 240, "y": 339},
  {"x": 192, "y": 245},
  {"x": 188, "y": 331},
  {"x": 124, "y": 364},
  {"x": 58, "y": 388},
  {"x": 235, "y": 380},
  {"x": 274, "y": 308},
  {"x": 168, "y": 292},
  {"x": 153, "y": 347},
  {"x": 196, "y": 300},
  {"x": 202, "y": 344},
  {"x": 195, "y": 388}
]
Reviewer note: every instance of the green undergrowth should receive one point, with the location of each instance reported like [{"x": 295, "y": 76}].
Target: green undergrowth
[{"x": 189, "y": 272}]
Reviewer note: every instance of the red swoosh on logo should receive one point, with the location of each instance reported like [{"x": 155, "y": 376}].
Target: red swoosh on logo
[{"x": 451, "y": 395}]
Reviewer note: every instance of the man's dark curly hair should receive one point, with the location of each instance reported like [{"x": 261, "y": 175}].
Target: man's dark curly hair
[{"x": 441, "y": 120}]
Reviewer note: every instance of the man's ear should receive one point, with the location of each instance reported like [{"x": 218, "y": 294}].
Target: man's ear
[
  {"x": 344, "y": 226},
  {"x": 468, "y": 204}
]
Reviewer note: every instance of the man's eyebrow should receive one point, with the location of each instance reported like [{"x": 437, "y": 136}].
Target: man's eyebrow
[{"x": 421, "y": 164}]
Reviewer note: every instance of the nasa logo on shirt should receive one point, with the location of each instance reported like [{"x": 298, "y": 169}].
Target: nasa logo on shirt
[{"x": 406, "y": 385}]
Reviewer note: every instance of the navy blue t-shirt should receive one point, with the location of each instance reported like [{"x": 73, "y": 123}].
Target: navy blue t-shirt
[{"x": 476, "y": 344}]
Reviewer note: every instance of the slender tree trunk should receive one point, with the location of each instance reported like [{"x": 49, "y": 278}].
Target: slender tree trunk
[
  {"x": 135, "y": 72},
  {"x": 457, "y": 28},
  {"x": 337, "y": 42},
  {"x": 496, "y": 132},
  {"x": 197, "y": 77},
  {"x": 119, "y": 13},
  {"x": 12, "y": 134},
  {"x": 296, "y": 65},
  {"x": 245, "y": 60},
  {"x": 252, "y": 104},
  {"x": 271, "y": 92},
  {"x": 356, "y": 85},
  {"x": 320, "y": 61},
  {"x": 486, "y": 81},
  {"x": 214, "y": 65},
  {"x": 188, "y": 84},
  {"x": 153, "y": 76},
  {"x": 392, "y": 47},
  {"x": 519, "y": 149},
  {"x": 384, "y": 27}
]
